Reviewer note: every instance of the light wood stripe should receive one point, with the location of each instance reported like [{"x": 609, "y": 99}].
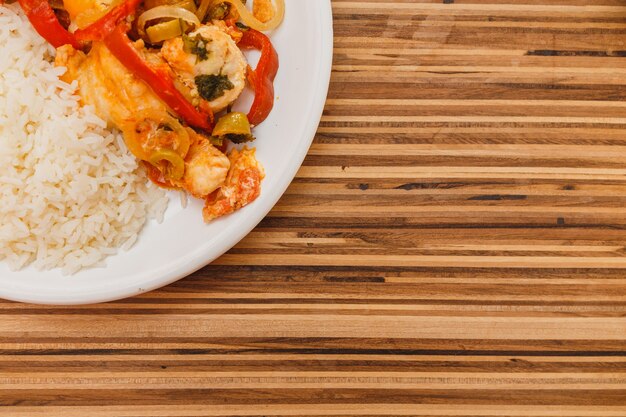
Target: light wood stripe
[
  {"x": 428, "y": 261},
  {"x": 314, "y": 380},
  {"x": 278, "y": 325},
  {"x": 320, "y": 410}
]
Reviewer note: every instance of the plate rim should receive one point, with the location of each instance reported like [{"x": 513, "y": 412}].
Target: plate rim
[{"x": 203, "y": 257}]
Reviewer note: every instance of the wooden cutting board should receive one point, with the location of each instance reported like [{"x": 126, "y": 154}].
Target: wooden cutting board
[{"x": 452, "y": 246}]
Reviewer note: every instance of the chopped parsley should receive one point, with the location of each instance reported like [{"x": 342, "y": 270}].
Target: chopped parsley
[
  {"x": 211, "y": 87},
  {"x": 238, "y": 138},
  {"x": 241, "y": 26},
  {"x": 221, "y": 11},
  {"x": 197, "y": 46}
]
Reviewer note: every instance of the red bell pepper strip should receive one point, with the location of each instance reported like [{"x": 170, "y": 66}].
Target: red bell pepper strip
[
  {"x": 159, "y": 79},
  {"x": 101, "y": 28},
  {"x": 262, "y": 77},
  {"x": 45, "y": 22}
]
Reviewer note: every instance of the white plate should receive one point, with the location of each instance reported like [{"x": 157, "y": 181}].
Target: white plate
[{"x": 183, "y": 244}]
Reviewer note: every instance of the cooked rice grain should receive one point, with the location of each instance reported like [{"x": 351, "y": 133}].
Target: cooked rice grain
[{"x": 70, "y": 193}]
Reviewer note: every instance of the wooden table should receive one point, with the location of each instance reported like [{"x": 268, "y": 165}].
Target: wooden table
[{"x": 452, "y": 246}]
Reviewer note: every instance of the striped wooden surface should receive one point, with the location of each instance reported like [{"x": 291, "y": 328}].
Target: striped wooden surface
[{"x": 454, "y": 244}]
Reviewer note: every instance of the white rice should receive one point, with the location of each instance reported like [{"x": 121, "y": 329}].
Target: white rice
[{"x": 70, "y": 192}]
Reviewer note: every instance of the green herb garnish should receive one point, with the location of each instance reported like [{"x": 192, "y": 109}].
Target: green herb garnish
[
  {"x": 211, "y": 87},
  {"x": 197, "y": 46},
  {"x": 242, "y": 26},
  {"x": 238, "y": 138}
]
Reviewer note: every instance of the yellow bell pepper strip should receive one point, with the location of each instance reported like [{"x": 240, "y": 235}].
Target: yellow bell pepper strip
[
  {"x": 107, "y": 23},
  {"x": 164, "y": 31}
]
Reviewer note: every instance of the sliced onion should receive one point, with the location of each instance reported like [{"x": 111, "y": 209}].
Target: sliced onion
[
  {"x": 159, "y": 12},
  {"x": 137, "y": 143},
  {"x": 246, "y": 15}
]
